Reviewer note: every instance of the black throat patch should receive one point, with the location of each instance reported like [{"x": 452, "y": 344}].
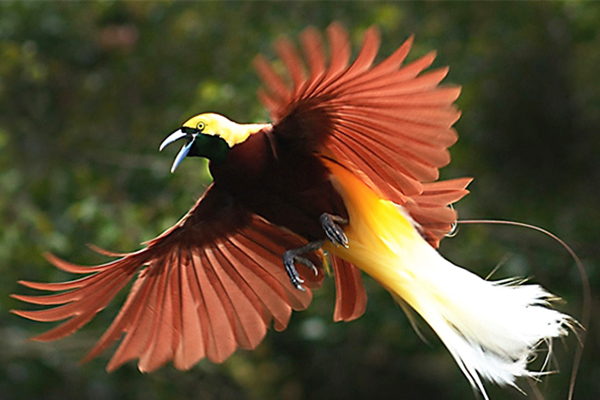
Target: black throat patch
[{"x": 215, "y": 148}]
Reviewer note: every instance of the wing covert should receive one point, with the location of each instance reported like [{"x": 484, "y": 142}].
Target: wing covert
[{"x": 211, "y": 283}]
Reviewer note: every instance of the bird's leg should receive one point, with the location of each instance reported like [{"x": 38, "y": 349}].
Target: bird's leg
[
  {"x": 333, "y": 230},
  {"x": 293, "y": 255}
]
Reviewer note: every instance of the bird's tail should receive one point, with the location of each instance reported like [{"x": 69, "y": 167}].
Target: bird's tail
[{"x": 492, "y": 329}]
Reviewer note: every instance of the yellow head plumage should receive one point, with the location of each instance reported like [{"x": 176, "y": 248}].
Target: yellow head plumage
[
  {"x": 209, "y": 135},
  {"x": 218, "y": 125}
]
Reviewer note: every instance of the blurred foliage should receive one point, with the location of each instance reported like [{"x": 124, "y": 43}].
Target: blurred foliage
[{"x": 88, "y": 91}]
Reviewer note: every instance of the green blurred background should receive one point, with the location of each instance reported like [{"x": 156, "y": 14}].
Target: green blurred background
[{"x": 89, "y": 90}]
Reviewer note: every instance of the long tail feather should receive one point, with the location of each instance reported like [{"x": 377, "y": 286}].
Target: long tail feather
[
  {"x": 585, "y": 292},
  {"x": 492, "y": 329}
]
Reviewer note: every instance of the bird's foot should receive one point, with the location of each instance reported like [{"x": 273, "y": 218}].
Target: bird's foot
[
  {"x": 290, "y": 257},
  {"x": 333, "y": 230}
]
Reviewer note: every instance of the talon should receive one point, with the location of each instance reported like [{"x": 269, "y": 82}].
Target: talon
[
  {"x": 290, "y": 257},
  {"x": 288, "y": 262},
  {"x": 334, "y": 232},
  {"x": 307, "y": 263}
]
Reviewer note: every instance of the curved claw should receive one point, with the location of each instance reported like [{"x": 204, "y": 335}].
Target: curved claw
[
  {"x": 288, "y": 261},
  {"x": 307, "y": 263},
  {"x": 290, "y": 257}
]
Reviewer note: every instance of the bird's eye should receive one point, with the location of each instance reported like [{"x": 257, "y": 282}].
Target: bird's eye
[{"x": 201, "y": 126}]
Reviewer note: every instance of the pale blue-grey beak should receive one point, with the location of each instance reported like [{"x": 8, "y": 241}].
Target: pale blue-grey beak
[{"x": 173, "y": 137}]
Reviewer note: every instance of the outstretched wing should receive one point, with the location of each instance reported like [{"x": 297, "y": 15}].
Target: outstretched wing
[
  {"x": 211, "y": 283},
  {"x": 390, "y": 123}
]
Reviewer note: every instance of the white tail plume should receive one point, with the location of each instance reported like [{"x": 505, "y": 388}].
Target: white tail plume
[{"x": 492, "y": 329}]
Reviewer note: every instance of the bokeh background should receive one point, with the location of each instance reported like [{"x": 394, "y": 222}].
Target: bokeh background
[{"x": 89, "y": 90}]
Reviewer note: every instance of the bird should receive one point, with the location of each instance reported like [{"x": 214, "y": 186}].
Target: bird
[{"x": 344, "y": 177}]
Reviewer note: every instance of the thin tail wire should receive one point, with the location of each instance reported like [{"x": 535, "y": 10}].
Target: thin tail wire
[{"x": 585, "y": 283}]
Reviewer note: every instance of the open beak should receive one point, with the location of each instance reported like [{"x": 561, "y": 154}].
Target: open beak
[{"x": 175, "y": 136}]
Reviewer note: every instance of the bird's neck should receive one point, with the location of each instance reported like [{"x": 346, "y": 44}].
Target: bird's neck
[
  {"x": 234, "y": 133},
  {"x": 246, "y": 161}
]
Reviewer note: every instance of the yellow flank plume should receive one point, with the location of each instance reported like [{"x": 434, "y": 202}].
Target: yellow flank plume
[
  {"x": 382, "y": 239},
  {"x": 378, "y": 228},
  {"x": 218, "y": 125},
  {"x": 492, "y": 329}
]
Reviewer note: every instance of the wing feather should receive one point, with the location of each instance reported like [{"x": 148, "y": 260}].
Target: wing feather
[
  {"x": 140, "y": 327},
  {"x": 430, "y": 208},
  {"x": 421, "y": 168},
  {"x": 191, "y": 345},
  {"x": 288, "y": 54},
  {"x": 271, "y": 290},
  {"x": 159, "y": 348},
  {"x": 351, "y": 298},
  {"x": 340, "y": 54},
  {"x": 127, "y": 317},
  {"x": 298, "y": 300},
  {"x": 312, "y": 46},
  {"x": 364, "y": 59},
  {"x": 247, "y": 323},
  {"x": 221, "y": 340},
  {"x": 276, "y": 85},
  {"x": 386, "y": 169},
  {"x": 372, "y": 177},
  {"x": 251, "y": 316}
]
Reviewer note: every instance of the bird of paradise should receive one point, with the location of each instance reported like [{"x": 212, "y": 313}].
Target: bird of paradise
[{"x": 348, "y": 166}]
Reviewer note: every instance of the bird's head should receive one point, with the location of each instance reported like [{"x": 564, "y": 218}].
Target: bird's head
[{"x": 209, "y": 135}]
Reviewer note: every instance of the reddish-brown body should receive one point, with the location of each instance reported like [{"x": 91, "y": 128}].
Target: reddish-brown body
[{"x": 286, "y": 185}]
